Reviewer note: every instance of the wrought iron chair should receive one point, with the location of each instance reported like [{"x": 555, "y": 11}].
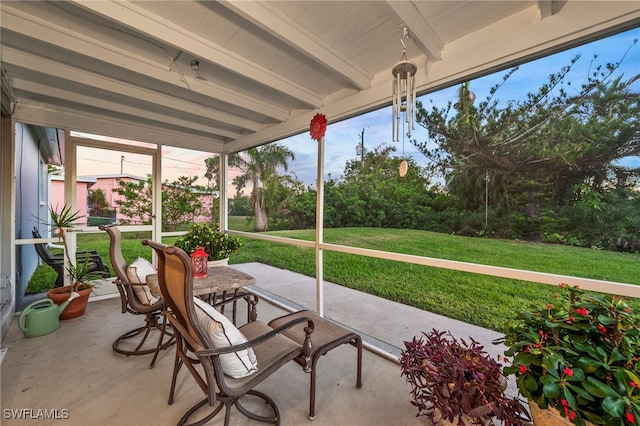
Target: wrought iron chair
[
  {"x": 56, "y": 261},
  {"x": 131, "y": 303},
  {"x": 195, "y": 345}
]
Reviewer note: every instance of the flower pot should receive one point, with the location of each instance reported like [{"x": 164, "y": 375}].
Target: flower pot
[
  {"x": 221, "y": 262},
  {"x": 549, "y": 416},
  {"x": 76, "y": 307}
]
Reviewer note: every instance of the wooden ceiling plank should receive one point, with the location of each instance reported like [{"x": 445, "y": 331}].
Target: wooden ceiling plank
[
  {"x": 39, "y": 29},
  {"x": 58, "y": 70},
  {"x": 156, "y": 27},
  {"x": 44, "y": 114},
  {"x": 420, "y": 32},
  {"x": 296, "y": 36},
  {"x": 117, "y": 107}
]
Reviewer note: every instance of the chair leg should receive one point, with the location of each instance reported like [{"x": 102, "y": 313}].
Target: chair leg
[
  {"x": 357, "y": 342},
  {"x": 162, "y": 346},
  {"x": 151, "y": 322}
]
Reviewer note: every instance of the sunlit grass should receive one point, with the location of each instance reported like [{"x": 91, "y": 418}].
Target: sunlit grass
[{"x": 477, "y": 299}]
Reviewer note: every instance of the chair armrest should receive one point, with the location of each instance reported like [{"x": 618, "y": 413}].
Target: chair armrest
[{"x": 306, "y": 346}]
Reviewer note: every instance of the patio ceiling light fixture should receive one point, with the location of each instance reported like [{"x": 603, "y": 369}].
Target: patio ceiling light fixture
[{"x": 403, "y": 91}]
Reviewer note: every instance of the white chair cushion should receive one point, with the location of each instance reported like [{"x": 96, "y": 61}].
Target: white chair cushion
[
  {"x": 137, "y": 273},
  {"x": 224, "y": 334}
]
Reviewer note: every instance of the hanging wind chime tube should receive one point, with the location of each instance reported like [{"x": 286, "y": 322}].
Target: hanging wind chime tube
[{"x": 403, "y": 92}]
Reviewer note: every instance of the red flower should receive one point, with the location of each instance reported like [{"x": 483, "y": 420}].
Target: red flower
[
  {"x": 318, "y": 127},
  {"x": 564, "y": 402},
  {"x": 582, "y": 311},
  {"x": 572, "y": 416},
  {"x": 523, "y": 369},
  {"x": 630, "y": 417},
  {"x": 633, "y": 384},
  {"x": 568, "y": 371},
  {"x": 602, "y": 328}
]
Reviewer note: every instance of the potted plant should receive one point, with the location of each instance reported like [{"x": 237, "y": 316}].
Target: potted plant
[
  {"x": 578, "y": 357},
  {"x": 207, "y": 235},
  {"x": 81, "y": 274},
  {"x": 455, "y": 382}
]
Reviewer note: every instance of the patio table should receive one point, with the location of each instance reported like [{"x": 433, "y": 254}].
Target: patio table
[{"x": 219, "y": 279}]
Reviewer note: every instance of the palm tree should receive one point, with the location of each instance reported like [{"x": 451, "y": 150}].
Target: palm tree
[{"x": 259, "y": 166}]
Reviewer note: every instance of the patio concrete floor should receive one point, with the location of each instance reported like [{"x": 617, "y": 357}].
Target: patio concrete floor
[{"x": 74, "y": 370}]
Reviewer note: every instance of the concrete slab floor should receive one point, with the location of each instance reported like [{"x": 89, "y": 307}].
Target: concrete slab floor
[{"x": 75, "y": 375}]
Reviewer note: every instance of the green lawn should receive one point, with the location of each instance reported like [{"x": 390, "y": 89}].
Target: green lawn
[{"x": 477, "y": 299}]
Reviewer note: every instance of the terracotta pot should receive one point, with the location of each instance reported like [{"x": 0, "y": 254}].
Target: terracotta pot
[
  {"x": 221, "y": 262},
  {"x": 549, "y": 416},
  {"x": 77, "y": 306}
]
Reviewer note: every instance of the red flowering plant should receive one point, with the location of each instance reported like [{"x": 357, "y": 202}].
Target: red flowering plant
[
  {"x": 579, "y": 354},
  {"x": 318, "y": 126}
]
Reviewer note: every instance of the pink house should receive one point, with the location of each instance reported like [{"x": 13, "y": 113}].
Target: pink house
[
  {"x": 107, "y": 183},
  {"x": 82, "y": 192}
]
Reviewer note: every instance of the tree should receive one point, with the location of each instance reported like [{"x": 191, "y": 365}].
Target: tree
[
  {"x": 213, "y": 176},
  {"x": 180, "y": 201},
  {"x": 539, "y": 151},
  {"x": 135, "y": 201},
  {"x": 97, "y": 202},
  {"x": 259, "y": 166},
  {"x": 551, "y": 139},
  {"x": 372, "y": 193}
]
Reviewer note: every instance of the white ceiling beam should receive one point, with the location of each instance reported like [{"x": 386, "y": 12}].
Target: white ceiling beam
[
  {"x": 420, "y": 31},
  {"x": 296, "y": 36},
  {"x": 546, "y": 8},
  {"x": 165, "y": 31},
  {"x": 57, "y": 70},
  {"x": 43, "y": 30},
  {"x": 470, "y": 57},
  {"x": 118, "y": 108},
  {"x": 47, "y": 115}
]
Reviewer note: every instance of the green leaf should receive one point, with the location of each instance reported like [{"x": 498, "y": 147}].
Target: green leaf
[
  {"x": 551, "y": 390},
  {"x": 605, "y": 320},
  {"x": 581, "y": 392},
  {"x": 588, "y": 365},
  {"x": 569, "y": 397},
  {"x": 578, "y": 375},
  {"x": 613, "y": 405},
  {"x": 597, "y": 388},
  {"x": 530, "y": 383},
  {"x": 616, "y": 356},
  {"x": 551, "y": 362}
]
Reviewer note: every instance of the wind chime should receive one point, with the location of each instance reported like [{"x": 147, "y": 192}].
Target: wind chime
[
  {"x": 403, "y": 97},
  {"x": 403, "y": 92}
]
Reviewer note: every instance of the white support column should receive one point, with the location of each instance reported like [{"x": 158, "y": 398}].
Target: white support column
[
  {"x": 156, "y": 208},
  {"x": 7, "y": 219},
  {"x": 223, "y": 218},
  {"x": 70, "y": 188},
  {"x": 320, "y": 229}
]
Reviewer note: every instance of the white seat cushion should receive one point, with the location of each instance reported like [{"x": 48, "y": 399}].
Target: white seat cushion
[
  {"x": 224, "y": 334},
  {"x": 137, "y": 273}
]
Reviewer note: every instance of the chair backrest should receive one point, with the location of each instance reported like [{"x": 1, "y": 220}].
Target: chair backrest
[
  {"x": 175, "y": 279},
  {"x": 118, "y": 262},
  {"x": 43, "y": 250}
]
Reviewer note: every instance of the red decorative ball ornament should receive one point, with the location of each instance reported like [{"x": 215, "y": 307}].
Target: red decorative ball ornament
[
  {"x": 318, "y": 127},
  {"x": 200, "y": 267}
]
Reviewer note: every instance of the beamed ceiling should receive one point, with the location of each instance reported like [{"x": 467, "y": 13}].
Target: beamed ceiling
[{"x": 264, "y": 68}]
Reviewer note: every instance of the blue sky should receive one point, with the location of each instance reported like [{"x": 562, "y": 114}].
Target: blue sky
[{"x": 342, "y": 138}]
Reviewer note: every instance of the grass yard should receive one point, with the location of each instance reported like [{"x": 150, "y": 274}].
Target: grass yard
[{"x": 476, "y": 299}]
